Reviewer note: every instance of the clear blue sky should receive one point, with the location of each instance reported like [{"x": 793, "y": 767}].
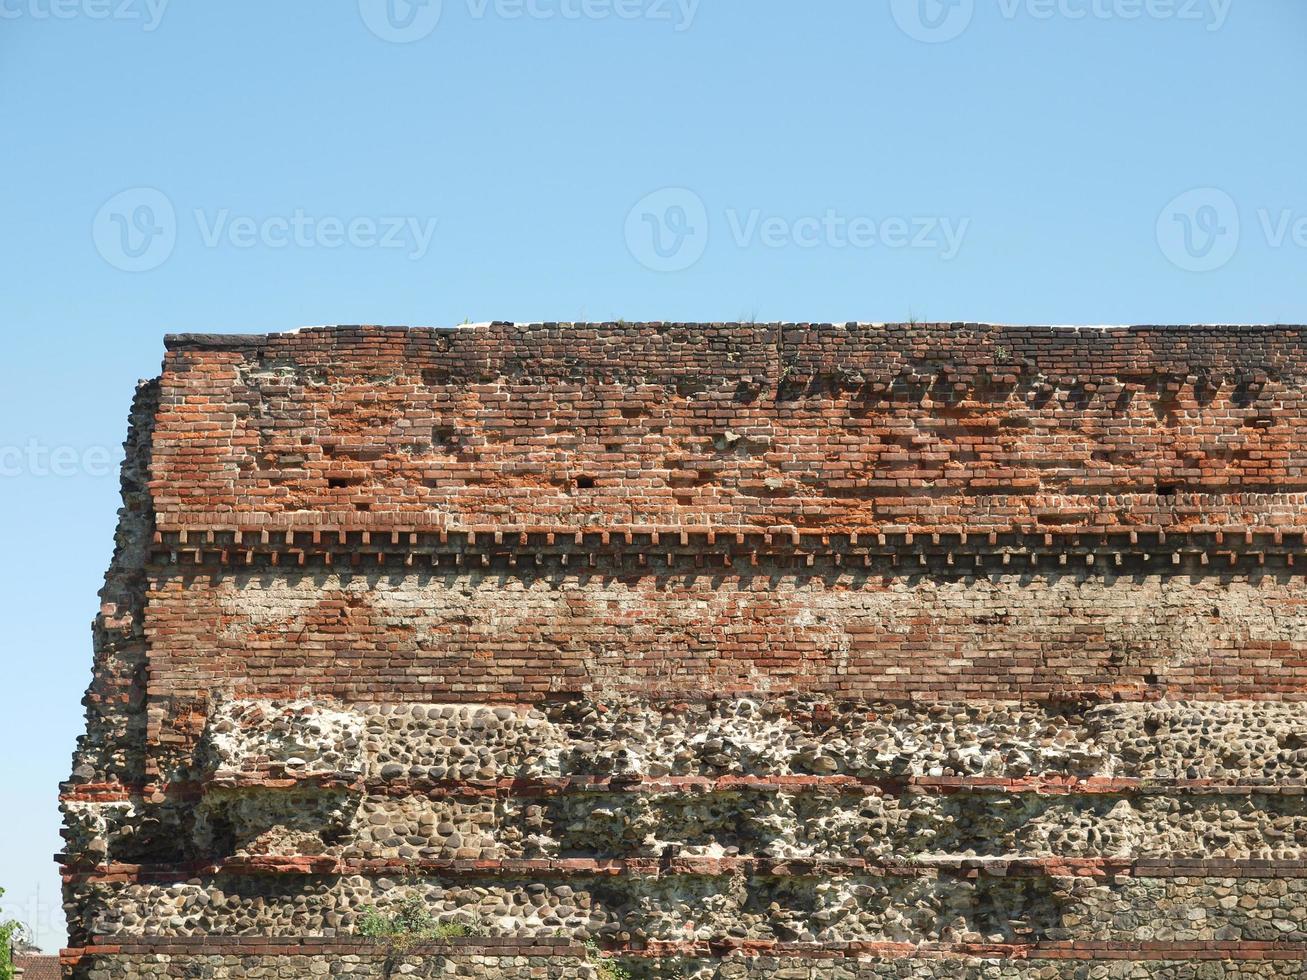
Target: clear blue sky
[{"x": 265, "y": 165}]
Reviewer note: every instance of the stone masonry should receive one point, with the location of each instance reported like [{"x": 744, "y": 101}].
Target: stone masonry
[{"x": 704, "y": 650}]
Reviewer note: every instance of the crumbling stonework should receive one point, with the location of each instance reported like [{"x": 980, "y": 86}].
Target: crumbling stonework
[{"x": 730, "y": 650}]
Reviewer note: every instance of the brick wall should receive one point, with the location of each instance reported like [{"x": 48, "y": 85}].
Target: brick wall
[
  {"x": 491, "y": 616},
  {"x": 733, "y": 425}
]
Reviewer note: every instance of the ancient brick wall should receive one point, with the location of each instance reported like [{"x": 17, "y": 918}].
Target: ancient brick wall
[{"x": 735, "y": 649}]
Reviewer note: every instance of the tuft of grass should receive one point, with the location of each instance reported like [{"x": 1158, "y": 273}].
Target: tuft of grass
[
  {"x": 605, "y": 966},
  {"x": 411, "y": 924}
]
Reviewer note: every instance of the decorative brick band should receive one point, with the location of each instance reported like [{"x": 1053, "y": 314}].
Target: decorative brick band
[
  {"x": 699, "y": 866},
  {"x": 524, "y": 946},
  {"x": 1204, "y": 539},
  {"x": 563, "y": 785}
]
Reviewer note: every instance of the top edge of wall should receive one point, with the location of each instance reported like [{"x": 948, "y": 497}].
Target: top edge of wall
[{"x": 253, "y": 341}]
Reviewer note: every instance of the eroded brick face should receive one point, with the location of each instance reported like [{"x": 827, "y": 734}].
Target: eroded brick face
[
  {"x": 729, "y": 425},
  {"x": 486, "y": 636},
  {"x": 739, "y": 650}
]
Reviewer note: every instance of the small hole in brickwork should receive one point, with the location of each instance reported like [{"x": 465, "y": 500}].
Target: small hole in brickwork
[
  {"x": 435, "y": 376},
  {"x": 585, "y": 483},
  {"x": 1165, "y": 491},
  {"x": 1151, "y": 679},
  {"x": 362, "y": 506},
  {"x": 340, "y": 482}
]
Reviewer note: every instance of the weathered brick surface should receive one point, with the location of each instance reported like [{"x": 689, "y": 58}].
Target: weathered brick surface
[
  {"x": 480, "y": 636},
  {"x": 746, "y": 650},
  {"x": 734, "y": 425}
]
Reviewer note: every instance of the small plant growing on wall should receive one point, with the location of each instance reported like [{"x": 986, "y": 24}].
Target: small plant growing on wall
[
  {"x": 606, "y": 968},
  {"x": 410, "y": 925}
]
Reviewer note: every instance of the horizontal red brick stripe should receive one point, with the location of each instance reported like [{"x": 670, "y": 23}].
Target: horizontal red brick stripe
[
  {"x": 1048, "y": 786},
  {"x": 524, "y": 946},
  {"x": 684, "y": 865}
]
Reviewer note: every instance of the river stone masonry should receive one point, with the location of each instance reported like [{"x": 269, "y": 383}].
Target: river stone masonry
[{"x": 813, "y": 651}]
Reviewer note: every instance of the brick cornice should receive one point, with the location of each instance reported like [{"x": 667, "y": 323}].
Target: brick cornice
[{"x": 889, "y": 550}]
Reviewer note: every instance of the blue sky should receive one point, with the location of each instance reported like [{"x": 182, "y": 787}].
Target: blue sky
[{"x": 254, "y": 166}]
